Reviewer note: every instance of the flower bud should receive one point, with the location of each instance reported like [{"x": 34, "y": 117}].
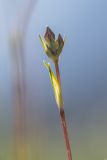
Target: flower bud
[
  {"x": 53, "y": 47},
  {"x": 49, "y": 35}
]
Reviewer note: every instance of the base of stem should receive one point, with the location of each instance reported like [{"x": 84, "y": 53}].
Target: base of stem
[{"x": 65, "y": 131}]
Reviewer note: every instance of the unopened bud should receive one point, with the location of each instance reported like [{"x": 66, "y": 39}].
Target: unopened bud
[{"x": 53, "y": 47}]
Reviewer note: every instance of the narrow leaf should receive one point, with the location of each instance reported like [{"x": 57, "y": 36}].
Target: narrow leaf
[
  {"x": 43, "y": 43},
  {"x": 55, "y": 85}
]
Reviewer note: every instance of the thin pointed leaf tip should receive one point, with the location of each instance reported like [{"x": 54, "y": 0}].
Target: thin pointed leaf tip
[
  {"x": 55, "y": 85},
  {"x": 52, "y": 47}
]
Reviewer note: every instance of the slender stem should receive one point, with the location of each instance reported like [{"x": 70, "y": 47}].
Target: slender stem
[
  {"x": 57, "y": 72},
  {"x": 63, "y": 119},
  {"x": 66, "y": 137}
]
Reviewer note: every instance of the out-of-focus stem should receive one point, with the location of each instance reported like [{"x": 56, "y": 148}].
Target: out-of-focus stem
[{"x": 62, "y": 117}]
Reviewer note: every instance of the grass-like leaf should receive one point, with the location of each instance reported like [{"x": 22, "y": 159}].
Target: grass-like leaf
[{"x": 55, "y": 85}]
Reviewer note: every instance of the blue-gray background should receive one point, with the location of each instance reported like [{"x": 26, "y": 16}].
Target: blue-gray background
[{"x": 83, "y": 66}]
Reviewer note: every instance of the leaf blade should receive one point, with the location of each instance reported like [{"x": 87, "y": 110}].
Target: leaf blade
[{"x": 55, "y": 85}]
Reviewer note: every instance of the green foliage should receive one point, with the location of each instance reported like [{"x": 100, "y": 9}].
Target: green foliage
[{"x": 55, "y": 85}]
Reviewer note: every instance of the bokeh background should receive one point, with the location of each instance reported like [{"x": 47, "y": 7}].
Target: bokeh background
[{"x": 29, "y": 119}]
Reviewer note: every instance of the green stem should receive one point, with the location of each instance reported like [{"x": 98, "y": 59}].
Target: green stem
[{"x": 63, "y": 118}]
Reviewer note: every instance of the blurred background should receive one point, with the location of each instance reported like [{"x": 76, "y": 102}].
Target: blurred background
[{"x": 29, "y": 119}]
